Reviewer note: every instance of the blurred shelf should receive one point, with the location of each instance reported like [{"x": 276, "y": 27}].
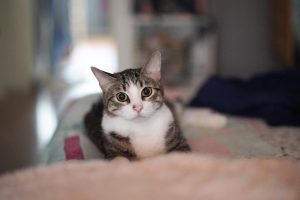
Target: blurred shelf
[{"x": 172, "y": 20}]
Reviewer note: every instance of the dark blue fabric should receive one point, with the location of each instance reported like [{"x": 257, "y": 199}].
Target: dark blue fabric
[{"x": 274, "y": 97}]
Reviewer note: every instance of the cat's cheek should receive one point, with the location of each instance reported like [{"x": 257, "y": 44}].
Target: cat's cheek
[
  {"x": 127, "y": 112},
  {"x": 148, "y": 109}
]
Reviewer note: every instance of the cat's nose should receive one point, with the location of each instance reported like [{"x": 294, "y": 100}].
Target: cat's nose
[{"x": 137, "y": 107}]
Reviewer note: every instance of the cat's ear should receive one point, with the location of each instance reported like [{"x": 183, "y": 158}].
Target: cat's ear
[
  {"x": 153, "y": 66},
  {"x": 105, "y": 79}
]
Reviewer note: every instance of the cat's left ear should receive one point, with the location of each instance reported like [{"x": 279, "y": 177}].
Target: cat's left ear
[
  {"x": 153, "y": 67},
  {"x": 105, "y": 79}
]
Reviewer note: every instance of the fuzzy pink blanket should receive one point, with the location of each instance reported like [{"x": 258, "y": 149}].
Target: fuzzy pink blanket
[{"x": 175, "y": 176}]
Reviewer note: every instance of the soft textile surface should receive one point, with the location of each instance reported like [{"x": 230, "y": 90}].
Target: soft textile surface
[
  {"x": 177, "y": 176},
  {"x": 274, "y": 96},
  {"x": 239, "y": 138}
]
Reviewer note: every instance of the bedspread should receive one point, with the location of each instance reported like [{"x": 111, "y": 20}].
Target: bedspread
[{"x": 239, "y": 138}]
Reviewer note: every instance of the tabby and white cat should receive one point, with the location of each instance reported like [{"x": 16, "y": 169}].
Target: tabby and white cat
[{"x": 132, "y": 119}]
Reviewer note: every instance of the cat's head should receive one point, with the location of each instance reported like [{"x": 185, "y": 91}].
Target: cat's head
[{"x": 133, "y": 93}]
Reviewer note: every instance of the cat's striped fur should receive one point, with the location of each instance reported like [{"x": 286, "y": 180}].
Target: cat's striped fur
[{"x": 118, "y": 129}]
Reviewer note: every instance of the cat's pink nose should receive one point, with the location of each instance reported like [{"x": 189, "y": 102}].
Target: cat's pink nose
[{"x": 138, "y": 108}]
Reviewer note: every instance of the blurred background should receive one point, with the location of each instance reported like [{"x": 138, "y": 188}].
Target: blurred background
[{"x": 48, "y": 46}]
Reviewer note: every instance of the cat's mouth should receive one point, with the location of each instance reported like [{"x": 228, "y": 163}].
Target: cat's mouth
[{"x": 140, "y": 116}]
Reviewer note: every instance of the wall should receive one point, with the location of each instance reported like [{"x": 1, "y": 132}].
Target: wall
[
  {"x": 245, "y": 45},
  {"x": 122, "y": 31},
  {"x": 16, "y": 55}
]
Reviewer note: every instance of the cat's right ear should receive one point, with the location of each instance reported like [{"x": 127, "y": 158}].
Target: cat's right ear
[
  {"x": 153, "y": 66},
  {"x": 105, "y": 79}
]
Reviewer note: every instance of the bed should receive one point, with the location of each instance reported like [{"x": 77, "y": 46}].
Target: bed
[
  {"x": 235, "y": 137},
  {"x": 239, "y": 158}
]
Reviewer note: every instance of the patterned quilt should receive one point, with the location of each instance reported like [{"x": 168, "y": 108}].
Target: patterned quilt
[{"x": 239, "y": 138}]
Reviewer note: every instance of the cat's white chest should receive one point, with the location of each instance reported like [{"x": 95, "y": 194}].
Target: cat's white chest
[{"x": 146, "y": 136}]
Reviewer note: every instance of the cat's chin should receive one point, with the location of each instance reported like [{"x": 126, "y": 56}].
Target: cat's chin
[{"x": 138, "y": 118}]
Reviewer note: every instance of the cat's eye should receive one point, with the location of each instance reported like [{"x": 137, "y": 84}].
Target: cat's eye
[
  {"x": 122, "y": 97},
  {"x": 146, "y": 92}
]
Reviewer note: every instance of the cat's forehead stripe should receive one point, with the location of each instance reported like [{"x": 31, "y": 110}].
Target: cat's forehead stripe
[
  {"x": 141, "y": 83},
  {"x": 124, "y": 87},
  {"x": 124, "y": 81}
]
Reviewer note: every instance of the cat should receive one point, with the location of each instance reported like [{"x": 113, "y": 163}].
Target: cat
[{"x": 132, "y": 119}]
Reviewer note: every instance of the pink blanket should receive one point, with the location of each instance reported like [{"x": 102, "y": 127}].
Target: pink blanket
[{"x": 174, "y": 176}]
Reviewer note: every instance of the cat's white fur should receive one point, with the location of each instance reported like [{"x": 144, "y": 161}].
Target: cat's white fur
[{"x": 146, "y": 132}]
